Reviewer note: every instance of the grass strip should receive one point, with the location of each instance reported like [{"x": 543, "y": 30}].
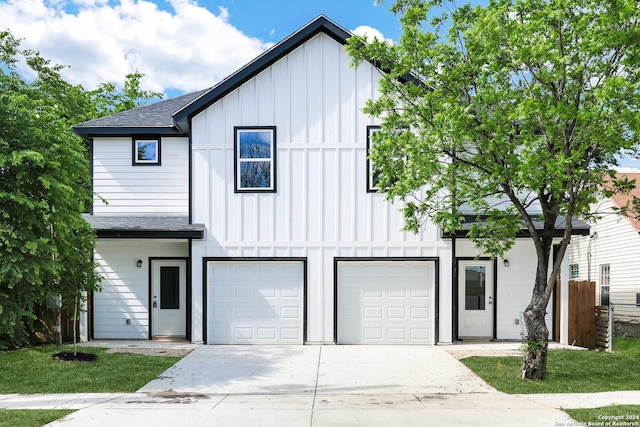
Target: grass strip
[
  {"x": 30, "y": 417},
  {"x": 620, "y": 415},
  {"x": 33, "y": 370},
  {"x": 568, "y": 371}
]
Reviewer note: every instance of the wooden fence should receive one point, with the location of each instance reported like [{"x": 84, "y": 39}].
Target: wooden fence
[
  {"x": 604, "y": 340},
  {"x": 582, "y": 319}
]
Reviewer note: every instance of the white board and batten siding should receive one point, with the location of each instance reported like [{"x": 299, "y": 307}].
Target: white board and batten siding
[
  {"x": 321, "y": 209},
  {"x": 141, "y": 189},
  {"x": 125, "y": 287},
  {"x": 617, "y": 244}
]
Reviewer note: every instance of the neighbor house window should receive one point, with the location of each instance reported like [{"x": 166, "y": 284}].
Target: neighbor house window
[
  {"x": 574, "y": 271},
  {"x": 255, "y": 160},
  {"x": 604, "y": 284},
  {"x": 146, "y": 151}
]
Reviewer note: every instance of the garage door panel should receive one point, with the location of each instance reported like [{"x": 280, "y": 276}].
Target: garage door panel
[
  {"x": 255, "y": 302},
  {"x": 397, "y": 313},
  {"x": 385, "y": 302}
]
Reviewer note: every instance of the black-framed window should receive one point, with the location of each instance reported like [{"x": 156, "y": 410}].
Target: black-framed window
[
  {"x": 146, "y": 151},
  {"x": 255, "y": 159},
  {"x": 373, "y": 175},
  {"x": 169, "y": 287},
  {"x": 574, "y": 271}
]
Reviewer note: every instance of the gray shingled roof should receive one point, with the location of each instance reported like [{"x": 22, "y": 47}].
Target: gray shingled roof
[
  {"x": 156, "y": 115},
  {"x": 145, "y": 226}
]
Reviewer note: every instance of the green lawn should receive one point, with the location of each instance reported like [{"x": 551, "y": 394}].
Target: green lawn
[
  {"x": 33, "y": 370},
  {"x": 568, "y": 371},
  {"x": 30, "y": 417},
  {"x": 613, "y": 414}
]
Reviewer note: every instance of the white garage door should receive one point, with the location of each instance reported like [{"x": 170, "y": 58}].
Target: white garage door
[
  {"x": 255, "y": 302},
  {"x": 386, "y": 302}
]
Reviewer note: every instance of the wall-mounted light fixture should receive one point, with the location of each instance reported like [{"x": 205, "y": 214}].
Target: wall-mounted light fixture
[
  {"x": 139, "y": 263},
  {"x": 505, "y": 262}
]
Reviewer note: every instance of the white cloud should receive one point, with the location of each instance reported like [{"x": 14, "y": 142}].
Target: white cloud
[
  {"x": 370, "y": 34},
  {"x": 188, "y": 48},
  {"x": 624, "y": 169}
]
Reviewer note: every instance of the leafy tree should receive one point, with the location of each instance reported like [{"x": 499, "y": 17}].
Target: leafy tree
[
  {"x": 46, "y": 247},
  {"x": 518, "y": 112},
  {"x": 107, "y": 99}
]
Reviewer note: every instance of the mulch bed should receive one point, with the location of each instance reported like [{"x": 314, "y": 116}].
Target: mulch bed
[{"x": 70, "y": 356}]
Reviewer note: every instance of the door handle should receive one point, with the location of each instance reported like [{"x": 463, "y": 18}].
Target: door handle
[{"x": 155, "y": 304}]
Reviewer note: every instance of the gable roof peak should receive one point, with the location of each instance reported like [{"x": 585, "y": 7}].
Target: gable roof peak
[{"x": 320, "y": 24}]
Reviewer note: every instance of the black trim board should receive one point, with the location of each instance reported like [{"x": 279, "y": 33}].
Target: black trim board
[
  {"x": 93, "y": 132},
  {"x": 90, "y": 140},
  {"x": 205, "y": 279},
  {"x": 436, "y": 296},
  {"x": 150, "y": 234}
]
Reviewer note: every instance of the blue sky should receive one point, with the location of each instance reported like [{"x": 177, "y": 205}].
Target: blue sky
[{"x": 180, "y": 45}]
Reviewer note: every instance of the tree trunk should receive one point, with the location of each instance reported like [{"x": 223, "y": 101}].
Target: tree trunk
[{"x": 536, "y": 343}]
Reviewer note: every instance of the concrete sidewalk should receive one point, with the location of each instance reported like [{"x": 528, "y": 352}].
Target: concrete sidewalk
[{"x": 316, "y": 386}]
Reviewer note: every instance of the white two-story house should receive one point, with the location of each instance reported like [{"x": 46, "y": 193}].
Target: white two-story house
[{"x": 246, "y": 214}]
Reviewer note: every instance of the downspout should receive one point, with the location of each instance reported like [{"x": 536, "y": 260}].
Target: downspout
[{"x": 454, "y": 291}]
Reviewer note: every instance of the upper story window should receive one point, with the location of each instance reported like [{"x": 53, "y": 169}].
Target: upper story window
[
  {"x": 396, "y": 161},
  {"x": 574, "y": 271},
  {"x": 373, "y": 175},
  {"x": 146, "y": 151},
  {"x": 255, "y": 159}
]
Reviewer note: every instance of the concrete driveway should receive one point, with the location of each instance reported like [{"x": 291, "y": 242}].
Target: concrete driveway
[{"x": 317, "y": 386}]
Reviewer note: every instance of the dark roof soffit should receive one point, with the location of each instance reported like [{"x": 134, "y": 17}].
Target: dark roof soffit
[
  {"x": 579, "y": 228},
  {"x": 147, "y": 234},
  {"x": 269, "y": 57},
  {"x": 145, "y": 227},
  {"x": 127, "y": 131}
]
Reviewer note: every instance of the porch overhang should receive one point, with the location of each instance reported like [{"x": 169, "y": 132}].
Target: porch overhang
[
  {"x": 578, "y": 228},
  {"x": 144, "y": 227}
]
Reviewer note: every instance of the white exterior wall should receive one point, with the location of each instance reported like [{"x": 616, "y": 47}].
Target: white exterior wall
[
  {"x": 142, "y": 189},
  {"x": 514, "y": 286},
  {"x": 321, "y": 209},
  {"x": 125, "y": 287},
  {"x": 617, "y": 244}
]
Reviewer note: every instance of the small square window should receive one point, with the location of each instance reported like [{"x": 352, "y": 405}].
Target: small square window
[
  {"x": 255, "y": 168},
  {"x": 146, "y": 151},
  {"x": 574, "y": 271}
]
